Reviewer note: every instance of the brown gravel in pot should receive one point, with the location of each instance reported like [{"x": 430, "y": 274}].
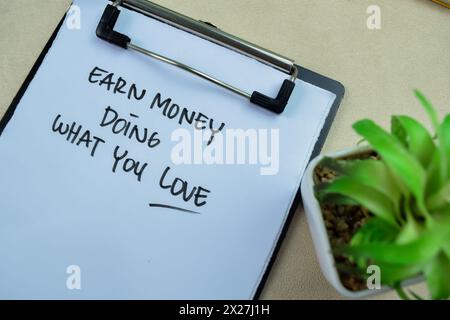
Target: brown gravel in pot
[{"x": 342, "y": 222}]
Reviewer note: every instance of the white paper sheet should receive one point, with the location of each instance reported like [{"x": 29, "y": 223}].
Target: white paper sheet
[{"x": 61, "y": 207}]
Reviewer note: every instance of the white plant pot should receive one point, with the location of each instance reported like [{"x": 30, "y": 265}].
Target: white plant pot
[{"x": 319, "y": 233}]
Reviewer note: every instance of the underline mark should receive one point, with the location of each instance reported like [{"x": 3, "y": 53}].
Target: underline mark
[{"x": 165, "y": 206}]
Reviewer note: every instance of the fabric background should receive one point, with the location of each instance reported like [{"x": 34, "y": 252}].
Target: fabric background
[{"x": 379, "y": 69}]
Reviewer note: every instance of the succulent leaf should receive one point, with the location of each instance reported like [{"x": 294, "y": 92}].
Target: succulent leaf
[{"x": 414, "y": 137}]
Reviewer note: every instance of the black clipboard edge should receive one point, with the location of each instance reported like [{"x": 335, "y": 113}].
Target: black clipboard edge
[
  {"x": 23, "y": 88},
  {"x": 339, "y": 90},
  {"x": 304, "y": 74}
]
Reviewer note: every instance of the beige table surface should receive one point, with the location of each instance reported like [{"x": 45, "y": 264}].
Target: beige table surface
[{"x": 379, "y": 69}]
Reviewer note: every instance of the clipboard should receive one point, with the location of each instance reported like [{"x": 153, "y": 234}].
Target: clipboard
[{"x": 292, "y": 70}]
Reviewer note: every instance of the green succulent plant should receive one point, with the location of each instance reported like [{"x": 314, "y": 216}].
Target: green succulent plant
[{"x": 407, "y": 192}]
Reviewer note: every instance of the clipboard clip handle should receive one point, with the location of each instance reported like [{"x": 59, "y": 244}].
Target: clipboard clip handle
[
  {"x": 277, "y": 104},
  {"x": 105, "y": 30}
]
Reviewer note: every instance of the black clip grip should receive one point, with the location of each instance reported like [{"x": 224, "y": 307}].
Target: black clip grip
[
  {"x": 277, "y": 104},
  {"x": 105, "y": 28}
]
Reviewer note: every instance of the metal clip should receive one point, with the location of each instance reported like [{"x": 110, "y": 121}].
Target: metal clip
[{"x": 105, "y": 31}]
